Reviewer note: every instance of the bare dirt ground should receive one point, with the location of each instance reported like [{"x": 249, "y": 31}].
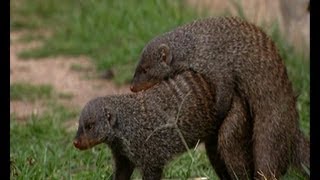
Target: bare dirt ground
[
  {"x": 84, "y": 85},
  {"x": 81, "y": 85}
]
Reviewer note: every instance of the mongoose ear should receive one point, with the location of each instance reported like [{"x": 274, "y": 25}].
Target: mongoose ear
[{"x": 166, "y": 55}]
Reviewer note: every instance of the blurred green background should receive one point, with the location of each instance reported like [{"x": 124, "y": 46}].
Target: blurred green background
[{"x": 111, "y": 34}]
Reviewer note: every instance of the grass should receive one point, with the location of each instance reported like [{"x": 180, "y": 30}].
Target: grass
[
  {"x": 112, "y": 33},
  {"x": 28, "y": 92},
  {"x": 23, "y": 91},
  {"x": 38, "y": 13},
  {"x": 42, "y": 149}
]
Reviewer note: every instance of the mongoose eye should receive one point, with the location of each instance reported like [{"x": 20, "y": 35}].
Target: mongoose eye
[
  {"x": 163, "y": 56},
  {"x": 143, "y": 70},
  {"x": 89, "y": 126},
  {"x": 108, "y": 116}
]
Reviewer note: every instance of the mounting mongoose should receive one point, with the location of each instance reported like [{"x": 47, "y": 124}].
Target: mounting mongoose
[
  {"x": 147, "y": 129},
  {"x": 235, "y": 56}
]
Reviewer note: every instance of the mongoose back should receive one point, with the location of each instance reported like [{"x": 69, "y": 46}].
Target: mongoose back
[
  {"x": 233, "y": 55},
  {"x": 149, "y": 128}
]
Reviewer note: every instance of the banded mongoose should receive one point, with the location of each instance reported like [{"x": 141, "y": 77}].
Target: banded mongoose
[
  {"x": 147, "y": 129},
  {"x": 235, "y": 56}
]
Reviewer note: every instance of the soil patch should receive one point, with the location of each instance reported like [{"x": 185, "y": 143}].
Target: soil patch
[{"x": 61, "y": 72}]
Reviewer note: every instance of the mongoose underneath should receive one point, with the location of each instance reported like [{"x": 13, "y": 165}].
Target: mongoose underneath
[
  {"x": 235, "y": 56},
  {"x": 147, "y": 129}
]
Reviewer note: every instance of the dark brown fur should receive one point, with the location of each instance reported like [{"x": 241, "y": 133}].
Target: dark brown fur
[
  {"x": 235, "y": 56},
  {"x": 232, "y": 156},
  {"x": 142, "y": 129}
]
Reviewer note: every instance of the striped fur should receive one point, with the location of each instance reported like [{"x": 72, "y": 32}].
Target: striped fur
[
  {"x": 143, "y": 129},
  {"x": 234, "y": 56}
]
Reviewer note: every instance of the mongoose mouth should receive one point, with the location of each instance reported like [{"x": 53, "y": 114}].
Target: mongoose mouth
[
  {"x": 133, "y": 89},
  {"x": 83, "y": 145},
  {"x": 143, "y": 86}
]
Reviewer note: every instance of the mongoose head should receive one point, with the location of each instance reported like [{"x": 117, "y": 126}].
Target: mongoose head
[
  {"x": 153, "y": 67},
  {"x": 95, "y": 125},
  {"x": 163, "y": 57}
]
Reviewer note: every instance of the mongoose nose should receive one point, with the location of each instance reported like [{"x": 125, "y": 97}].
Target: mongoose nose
[
  {"x": 76, "y": 143},
  {"x": 132, "y": 88}
]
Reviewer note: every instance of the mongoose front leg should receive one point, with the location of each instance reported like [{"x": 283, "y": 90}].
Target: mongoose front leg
[
  {"x": 123, "y": 167},
  {"x": 215, "y": 158},
  {"x": 223, "y": 88},
  {"x": 152, "y": 173},
  {"x": 223, "y": 104}
]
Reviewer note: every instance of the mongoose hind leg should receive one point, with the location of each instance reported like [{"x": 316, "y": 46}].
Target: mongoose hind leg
[
  {"x": 215, "y": 158},
  {"x": 271, "y": 148},
  {"x": 234, "y": 141},
  {"x": 222, "y": 88}
]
